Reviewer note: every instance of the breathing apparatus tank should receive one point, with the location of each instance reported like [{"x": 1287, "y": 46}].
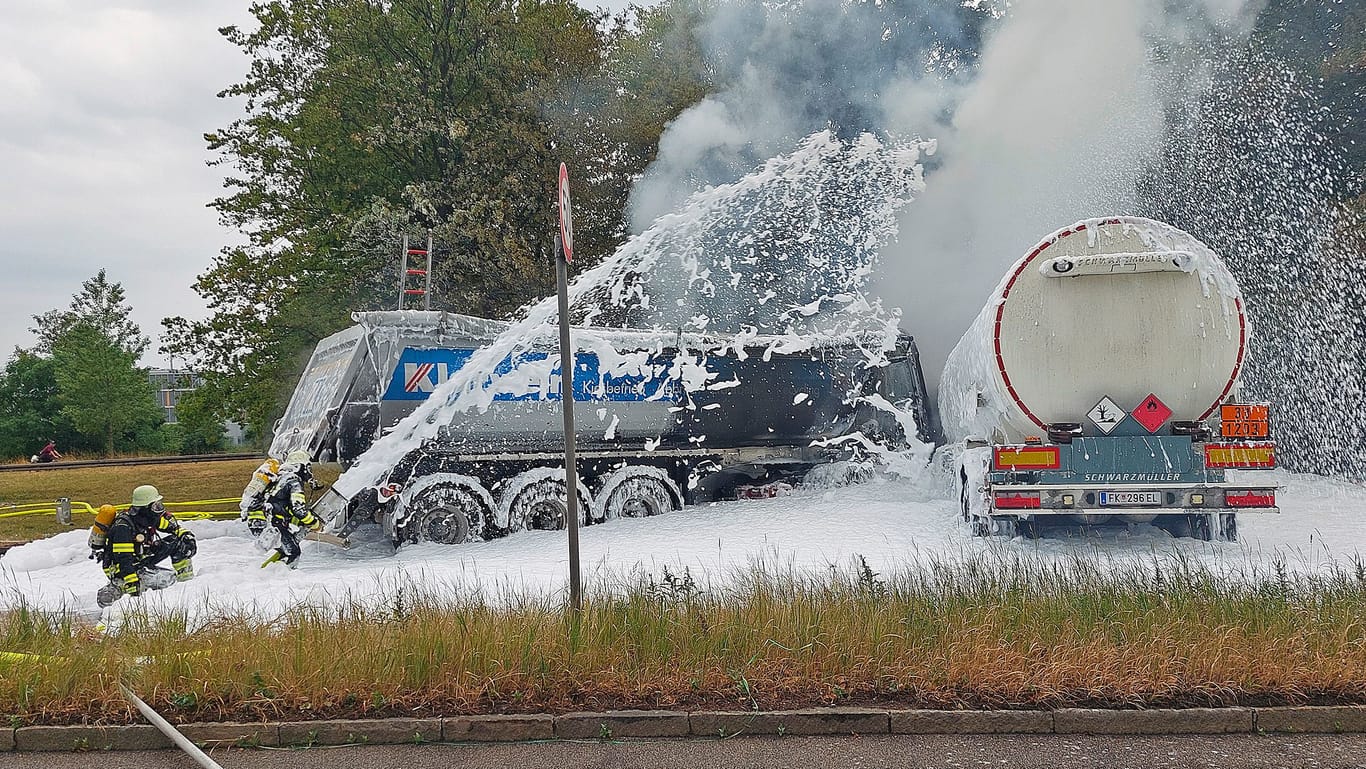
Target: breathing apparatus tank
[{"x": 99, "y": 533}]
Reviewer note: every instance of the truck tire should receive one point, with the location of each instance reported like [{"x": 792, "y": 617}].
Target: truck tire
[
  {"x": 837, "y": 475},
  {"x": 637, "y": 491},
  {"x": 447, "y": 509},
  {"x": 535, "y": 499}
]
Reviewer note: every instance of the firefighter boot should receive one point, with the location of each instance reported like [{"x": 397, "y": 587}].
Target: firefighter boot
[
  {"x": 256, "y": 522},
  {"x": 184, "y": 570},
  {"x": 107, "y": 595}
]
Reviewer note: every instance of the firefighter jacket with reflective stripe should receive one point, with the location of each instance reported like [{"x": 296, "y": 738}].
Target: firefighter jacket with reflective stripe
[
  {"x": 286, "y": 502},
  {"x": 138, "y": 537}
]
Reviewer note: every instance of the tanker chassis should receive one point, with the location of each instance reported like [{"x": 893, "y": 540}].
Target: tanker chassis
[
  {"x": 646, "y": 443},
  {"x": 1099, "y": 385}
]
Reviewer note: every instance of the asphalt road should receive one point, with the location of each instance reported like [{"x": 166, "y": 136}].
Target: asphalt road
[{"x": 1051, "y": 752}]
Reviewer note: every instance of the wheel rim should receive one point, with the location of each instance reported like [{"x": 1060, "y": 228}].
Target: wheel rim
[
  {"x": 446, "y": 514},
  {"x": 639, "y": 497},
  {"x": 445, "y": 525},
  {"x": 546, "y": 514},
  {"x": 541, "y": 506}
]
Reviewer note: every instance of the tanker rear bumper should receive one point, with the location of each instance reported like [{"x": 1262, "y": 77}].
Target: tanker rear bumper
[{"x": 1198, "y": 510}]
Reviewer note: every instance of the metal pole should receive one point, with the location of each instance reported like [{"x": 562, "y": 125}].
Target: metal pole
[
  {"x": 571, "y": 471},
  {"x": 170, "y": 731}
]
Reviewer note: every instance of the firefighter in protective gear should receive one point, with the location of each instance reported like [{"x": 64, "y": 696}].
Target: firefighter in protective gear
[
  {"x": 138, "y": 538},
  {"x": 254, "y": 495},
  {"x": 287, "y": 506}
]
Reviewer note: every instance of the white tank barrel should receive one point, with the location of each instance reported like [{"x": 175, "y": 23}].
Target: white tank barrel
[{"x": 1119, "y": 307}]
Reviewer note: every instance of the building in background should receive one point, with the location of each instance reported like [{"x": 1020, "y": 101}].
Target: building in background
[{"x": 170, "y": 384}]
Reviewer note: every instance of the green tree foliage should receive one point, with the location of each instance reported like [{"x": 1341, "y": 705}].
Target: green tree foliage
[
  {"x": 652, "y": 68},
  {"x": 84, "y": 361},
  {"x": 100, "y": 389},
  {"x": 366, "y": 120},
  {"x": 201, "y": 429},
  {"x": 100, "y": 304},
  {"x": 30, "y": 413}
]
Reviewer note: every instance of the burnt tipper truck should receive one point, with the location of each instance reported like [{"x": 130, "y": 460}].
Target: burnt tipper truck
[
  {"x": 1100, "y": 384},
  {"x": 701, "y": 418}
]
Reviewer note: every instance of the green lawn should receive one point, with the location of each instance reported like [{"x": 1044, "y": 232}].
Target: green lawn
[{"x": 184, "y": 482}]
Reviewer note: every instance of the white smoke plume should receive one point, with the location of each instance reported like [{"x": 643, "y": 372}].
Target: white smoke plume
[
  {"x": 1067, "y": 111},
  {"x": 1045, "y": 111}
]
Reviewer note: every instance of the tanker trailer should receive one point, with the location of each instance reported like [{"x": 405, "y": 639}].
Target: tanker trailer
[
  {"x": 663, "y": 422},
  {"x": 1099, "y": 384}
]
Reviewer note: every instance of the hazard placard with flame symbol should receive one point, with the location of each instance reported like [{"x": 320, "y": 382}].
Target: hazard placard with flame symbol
[{"x": 1151, "y": 413}]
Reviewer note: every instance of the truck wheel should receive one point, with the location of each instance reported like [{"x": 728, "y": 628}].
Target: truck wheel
[
  {"x": 1228, "y": 527},
  {"x": 981, "y": 527},
  {"x": 536, "y": 500},
  {"x": 837, "y": 475},
  {"x": 636, "y": 492},
  {"x": 448, "y": 511},
  {"x": 1200, "y": 527}
]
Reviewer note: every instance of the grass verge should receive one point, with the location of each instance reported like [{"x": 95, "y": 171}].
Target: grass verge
[{"x": 988, "y": 633}]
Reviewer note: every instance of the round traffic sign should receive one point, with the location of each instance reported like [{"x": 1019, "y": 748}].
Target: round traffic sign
[{"x": 566, "y": 216}]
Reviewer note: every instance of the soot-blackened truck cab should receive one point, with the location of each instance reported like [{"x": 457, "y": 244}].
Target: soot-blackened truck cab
[
  {"x": 750, "y": 414},
  {"x": 1100, "y": 384}
]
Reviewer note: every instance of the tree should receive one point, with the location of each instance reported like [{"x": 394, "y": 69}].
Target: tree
[
  {"x": 99, "y": 304},
  {"x": 367, "y": 120},
  {"x": 200, "y": 426},
  {"x": 100, "y": 389},
  {"x": 30, "y": 413}
]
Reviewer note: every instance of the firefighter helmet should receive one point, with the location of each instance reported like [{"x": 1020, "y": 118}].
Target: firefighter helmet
[
  {"x": 145, "y": 495},
  {"x": 297, "y": 457}
]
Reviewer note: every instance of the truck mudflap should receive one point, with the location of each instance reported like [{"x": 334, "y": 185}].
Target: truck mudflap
[{"x": 1204, "y": 511}]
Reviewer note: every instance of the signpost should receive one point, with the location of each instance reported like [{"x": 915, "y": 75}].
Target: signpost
[{"x": 564, "y": 247}]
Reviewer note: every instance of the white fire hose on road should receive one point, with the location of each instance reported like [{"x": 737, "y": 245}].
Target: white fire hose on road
[{"x": 179, "y": 739}]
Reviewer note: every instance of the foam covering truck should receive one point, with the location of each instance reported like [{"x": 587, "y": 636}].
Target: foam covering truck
[
  {"x": 753, "y": 411},
  {"x": 1100, "y": 384}
]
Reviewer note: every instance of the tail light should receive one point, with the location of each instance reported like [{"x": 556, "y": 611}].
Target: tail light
[
  {"x": 1250, "y": 498},
  {"x": 1240, "y": 455},
  {"x": 1024, "y": 500},
  {"x": 1026, "y": 458}
]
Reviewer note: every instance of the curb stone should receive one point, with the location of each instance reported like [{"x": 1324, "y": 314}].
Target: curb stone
[
  {"x": 73, "y": 738},
  {"x": 972, "y": 722},
  {"x": 498, "y": 728},
  {"x": 7, "y": 740},
  {"x": 1332, "y": 719},
  {"x": 229, "y": 734},
  {"x": 614, "y": 724},
  {"x": 808, "y": 721},
  {"x": 662, "y": 724},
  {"x": 376, "y": 731},
  {"x": 1184, "y": 721}
]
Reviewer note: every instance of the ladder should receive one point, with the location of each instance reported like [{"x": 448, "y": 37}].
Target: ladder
[{"x": 423, "y": 274}]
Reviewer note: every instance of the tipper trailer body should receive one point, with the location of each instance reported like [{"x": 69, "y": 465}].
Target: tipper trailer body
[{"x": 692, "y": 419}]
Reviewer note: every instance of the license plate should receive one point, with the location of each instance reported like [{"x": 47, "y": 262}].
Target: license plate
[{"x": 1111, "y": 498}]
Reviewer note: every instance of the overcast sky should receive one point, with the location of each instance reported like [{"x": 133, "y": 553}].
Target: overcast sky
[{"x": 103, "y": 108}]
